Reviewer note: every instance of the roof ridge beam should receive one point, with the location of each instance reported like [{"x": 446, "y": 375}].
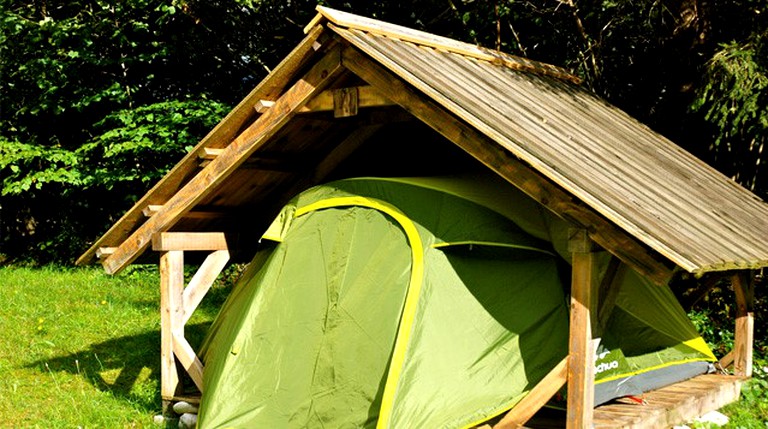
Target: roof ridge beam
[
  {"x": 236, "y": 153},
  {"x": 352, "y": 21}
]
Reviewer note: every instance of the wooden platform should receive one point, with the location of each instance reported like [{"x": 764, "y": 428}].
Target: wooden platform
[{"x": 671, "y": 405}]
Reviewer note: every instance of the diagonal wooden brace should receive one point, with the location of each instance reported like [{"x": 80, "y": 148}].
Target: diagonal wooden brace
[{"x": 177, "y": 302}]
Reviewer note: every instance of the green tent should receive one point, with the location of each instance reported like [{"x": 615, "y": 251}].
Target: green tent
[{"x": 432, "y": 302}]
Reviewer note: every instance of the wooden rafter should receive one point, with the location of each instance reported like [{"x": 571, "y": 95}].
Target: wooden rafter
[
  {"x": 498, "y": 159},
  {"x": 270, "y": 88},
  {"x": 202, "y": 184}
]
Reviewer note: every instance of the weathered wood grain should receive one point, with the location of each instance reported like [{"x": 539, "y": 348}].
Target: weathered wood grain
[{"x": 581, "y": 345}]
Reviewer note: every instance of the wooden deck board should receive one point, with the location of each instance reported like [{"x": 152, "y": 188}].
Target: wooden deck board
[{"x": 671, "y": 405}]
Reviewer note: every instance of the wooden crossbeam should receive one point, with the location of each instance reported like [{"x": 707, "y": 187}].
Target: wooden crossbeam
[
  {"x": 498, "y": 159},
  {"x": 210, "y": 241},
  {"x": 188, "y": 359},
  {"x": 367, "y": 96},
  {"x": 202, "y": 184}
]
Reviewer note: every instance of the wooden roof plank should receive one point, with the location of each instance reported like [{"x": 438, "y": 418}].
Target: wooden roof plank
[
  {"x": 316, "y": 79},
  {"x": 487, "y": 104},
  {"x": 510, "y": 142},
  {"x": 681, "y": 240},
  {"x": 499, "y": 160},
  {"x": 344, "y": 19},
  {"x": 220, "y": 136}
]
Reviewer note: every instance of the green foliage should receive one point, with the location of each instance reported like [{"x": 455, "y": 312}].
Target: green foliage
[
  {"x": 714, "y": 318},
  {"x": 98, "y": 99},
  {"x": 29, "y": 166},
  {"x": 95, "y": 96},
  {"x": 734, "y": 100},
  {"x": 139, "y": 145},
  {"x": 751, "y": 412}
]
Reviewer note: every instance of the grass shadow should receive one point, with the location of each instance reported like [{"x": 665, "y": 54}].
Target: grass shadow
[{"x": 127, "y": 367}]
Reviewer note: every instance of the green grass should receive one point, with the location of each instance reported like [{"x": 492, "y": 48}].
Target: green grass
[{"x": 79, "y": 348}]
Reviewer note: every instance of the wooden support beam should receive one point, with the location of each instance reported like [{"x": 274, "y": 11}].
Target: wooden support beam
[
  {"x": 188, "y": 359},
  {"x": 745, "y": 323},
  {"x": 536, "y": 398},
  {"x": 166, "y": 241},
  {"x": 202, "y": 281},
  {"x": 581, "y": 346},
  {"x": 271, "y": 87},
  {"x": 177, "y": 304},
  {"x": 326, "y": 101},
  {"x": 726, "y": 360},
  {"x": 202, "y": 184},
  {"x": 501, "y": 161},
  {"x": 171, "y": 311},
  {"x": 345, "y": 102},
  {"x": 103, "y": 252}
]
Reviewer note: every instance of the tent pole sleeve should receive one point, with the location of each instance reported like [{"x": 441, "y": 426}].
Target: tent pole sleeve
[
  {"x": 745, "y": 323},
  {"x": 581, "y": 346},
  {"x": 171, "y": 312}
]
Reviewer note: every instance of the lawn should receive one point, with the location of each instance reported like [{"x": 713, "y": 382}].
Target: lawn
[{"x": 79, "y": 348}]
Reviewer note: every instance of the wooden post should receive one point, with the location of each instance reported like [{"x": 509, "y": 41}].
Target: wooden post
[
  {"x": 745, "y": 323},
  {"x": 177, "y": 303},
  {"x": 171, "y": 312},
  {"x": 581, "y": 350}
]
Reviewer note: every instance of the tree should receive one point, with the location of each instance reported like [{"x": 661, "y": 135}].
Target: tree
[
  {"x": 96, "y": 95},
  {"x": 98, "y": 99}
]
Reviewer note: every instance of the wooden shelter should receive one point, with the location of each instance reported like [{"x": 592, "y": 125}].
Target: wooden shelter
[{"x": 339, "y": 105}]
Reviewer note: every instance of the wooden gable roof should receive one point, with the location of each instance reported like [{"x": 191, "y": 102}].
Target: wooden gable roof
[{"x": 639, "y": 195}]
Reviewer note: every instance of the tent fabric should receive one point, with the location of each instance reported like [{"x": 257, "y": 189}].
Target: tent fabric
[{"x": 430, "y": 302}]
